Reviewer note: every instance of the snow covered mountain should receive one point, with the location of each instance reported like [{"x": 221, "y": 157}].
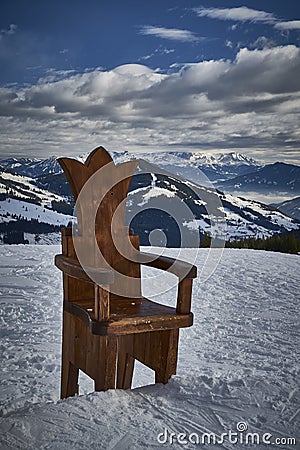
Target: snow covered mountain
[
  {"x": 25, "y": 188},
  {"x": 193, "y": 165},
  {"x": 224, "y": 166},
  {"x": 27, "y": 208},
  {"x": 278, "y": 177},
  {"x": 236, "y": 159},
  {"x": 290, "y": 207},
  {"x": 186, "y": 164},
  {"x": 31, "y": 167},
  {"x": 158, "y": 200},
  {"x": 149, "y": 197},
  {"x": 154, "y": 205}
]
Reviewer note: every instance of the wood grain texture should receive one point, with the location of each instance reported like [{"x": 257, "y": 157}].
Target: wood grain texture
[
  {"x": 129, "y": 317},
  {"x": 126, "y": 361},
  {"x": 184, "y": 296},
  {"x": 181, "y": 269},
  {"x": 73, "y": 269},
  {"x": 102, "y": 303},
  {"x": 107, "y": 324}
]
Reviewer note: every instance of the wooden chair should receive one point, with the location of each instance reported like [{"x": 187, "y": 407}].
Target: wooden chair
[{"x": 107, "y": 323}]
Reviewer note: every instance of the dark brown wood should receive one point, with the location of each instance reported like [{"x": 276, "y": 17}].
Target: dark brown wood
[
  {"x": 126, "y": 360},
  {"x": 73, "y": 269},
  {"x": 69, "y": 372},
  {"x": 102, "y": 303},
  {"x": 180, "y": 268},
  {"x": 184, "y": 296},
  {"x": 157, "y": 350},
  {"x": 168, "y": 359},
  {"x": 106, "y": 378},
  {"x": 105, "y": 332},
  {"x": 136, "y": 316}
]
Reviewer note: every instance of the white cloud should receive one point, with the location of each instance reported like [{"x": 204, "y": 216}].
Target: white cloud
[
  {"x": 263, "y": 42},
  {"x": 173, "y": 34},
  {"x": 245, "y": 14},
  {"x": 147, "y": 57},
  {"x": 241, "y": 13},
  {"x": 250, "y": 103},
  {"x": 157, "y": 51},
  {"x": 165, "y": 51},
  {"x": 289, "y": 25},
  {"x": 9, "y": 31}
]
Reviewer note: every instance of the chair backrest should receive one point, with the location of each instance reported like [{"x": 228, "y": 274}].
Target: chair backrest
[{"x": 100, "y": 189}]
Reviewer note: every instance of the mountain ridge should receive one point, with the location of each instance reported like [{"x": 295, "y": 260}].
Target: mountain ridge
[
  {"x": 224, "y": 164},
  {"x": 154, "y": 195},
  {"x": 289, "y": 207},
  {"x": 276, "y": 177}
]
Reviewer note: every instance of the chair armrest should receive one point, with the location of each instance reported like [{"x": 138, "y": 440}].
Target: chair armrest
[
  {"x": 73, "y": 269},
  {"x": 180, "y": 268},
  {"x": 184, "y": 271}
]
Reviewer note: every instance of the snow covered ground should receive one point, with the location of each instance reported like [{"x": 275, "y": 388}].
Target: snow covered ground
[
  {"x": 237, "y": 369},
  {"x": 12, "y": 208}
]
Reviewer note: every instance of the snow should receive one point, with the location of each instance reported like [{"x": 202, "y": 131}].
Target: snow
[
  {"x": 44, "y": 238},
  {"x": 233, "y": 158},
  {"x": 25, "y": 210},
  {"x": 262, "y": 197},
  {"x": 253, "y": 219},
  {"x": 189, "y": 165},
  {"x": 198, "y": 224},
  {"x": 204, "y": 159},
  {"x": 196, "y": 158},
  {"x": 155, "y": 192},
  {"x": 24, "y": 187},
  {"x": 275, "y": 216},
  {"x": 241, "y": 224},
  {"x": 238, "y": 363}
]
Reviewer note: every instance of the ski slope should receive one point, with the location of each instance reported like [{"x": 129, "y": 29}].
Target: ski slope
[{"x": 237, "y": 364}]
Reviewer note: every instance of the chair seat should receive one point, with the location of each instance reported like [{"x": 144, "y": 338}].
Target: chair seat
[{"x": 128, "y": 316}]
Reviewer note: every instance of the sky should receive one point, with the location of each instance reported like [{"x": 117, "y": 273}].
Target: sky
[{"x": 209, "y": 76}]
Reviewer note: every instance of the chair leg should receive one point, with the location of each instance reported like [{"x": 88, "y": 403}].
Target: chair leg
[
  {"x": 157, "y": 350},
  {"x": 69, "y": 380},
  {"x": 168, "y": 358},
  {"x": 125, "y": 372},
  {"x": 162, "y": 376},
  {"x": 69, "y": 372},
  {"x": 126, "y": 361},
  {"x": 106, "y": 373}
]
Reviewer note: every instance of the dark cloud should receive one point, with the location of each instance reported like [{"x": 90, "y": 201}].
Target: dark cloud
[{"x": 251, "y": 101}]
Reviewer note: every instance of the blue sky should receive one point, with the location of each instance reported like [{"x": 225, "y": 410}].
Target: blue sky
[{"x": 192, "y": 75}]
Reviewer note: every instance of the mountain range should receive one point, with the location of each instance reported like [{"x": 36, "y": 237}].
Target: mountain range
[
  {"x": 231, "y": 172},
  {"x": 24, "y": 207},
  {"x": 277, "y": 177},
  {"x": 290, "y": 207},
  {"x": 208, "y": 210},
  {"x": 188, "y": 165},
  {"x": 31, "y": 167},
  {"x": 42, "y": 201},
  {"x": 203, "y": 168}
]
